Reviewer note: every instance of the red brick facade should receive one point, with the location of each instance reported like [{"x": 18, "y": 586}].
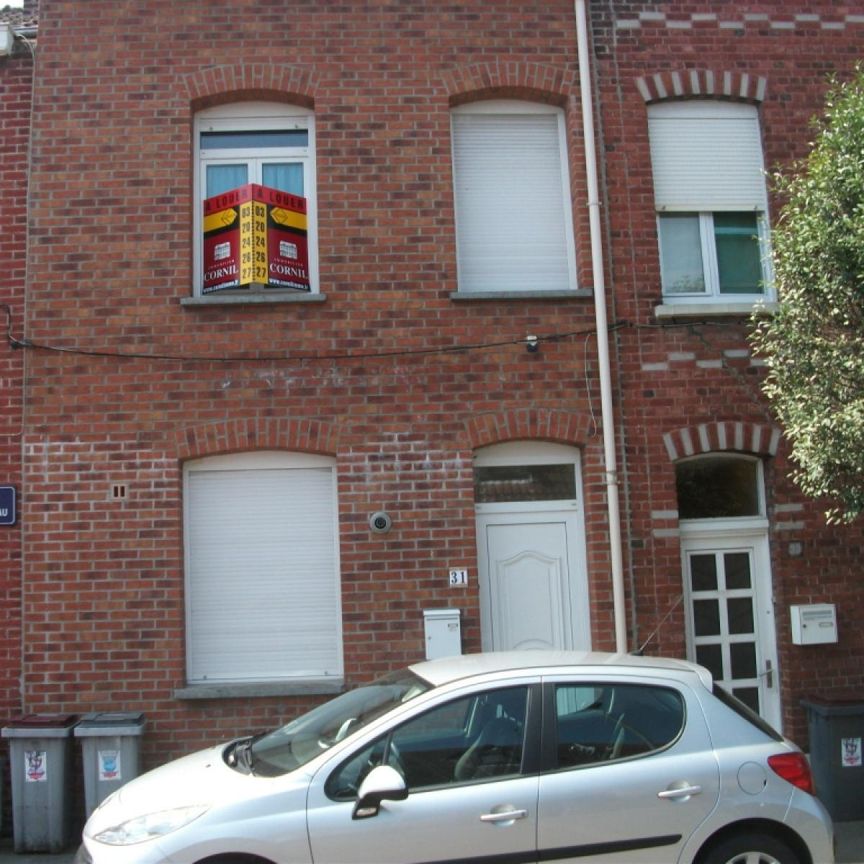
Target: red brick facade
[
  {"x": 15, "y": 91},
  {"x": 692, "y": 385},
  {"x": 388, "y": 373}
]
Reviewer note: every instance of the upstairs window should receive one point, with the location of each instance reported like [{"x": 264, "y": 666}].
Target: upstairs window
[
  {"x": 272, "y": 145},
  {"x": 709, "y": 190},
  {"x": 514, "y": 230}
]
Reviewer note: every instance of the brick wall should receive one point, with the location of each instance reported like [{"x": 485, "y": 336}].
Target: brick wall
[
  {"x": 15, "y": 85},
  {"x": 15, "y": 91},
  {"x": 111, "y": 261},
  {"x": 685, "y": 377}
]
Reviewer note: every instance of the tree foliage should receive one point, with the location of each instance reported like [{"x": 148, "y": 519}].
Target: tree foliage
[{"x": 814, "y": 343}]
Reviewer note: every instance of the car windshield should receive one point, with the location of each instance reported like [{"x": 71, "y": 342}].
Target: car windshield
[{"x": 302, "y": 739}]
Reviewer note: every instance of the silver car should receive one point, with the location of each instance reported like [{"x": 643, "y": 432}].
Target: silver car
[{"x": 506, "y": 757}]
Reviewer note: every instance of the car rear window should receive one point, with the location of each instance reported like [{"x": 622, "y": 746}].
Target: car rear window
[
  {"x": 608, "y": 721},
  {"x": 746, "y": 712}
]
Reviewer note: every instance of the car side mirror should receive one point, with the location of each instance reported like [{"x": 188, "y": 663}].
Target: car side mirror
[{"x": 382, "y": 783}]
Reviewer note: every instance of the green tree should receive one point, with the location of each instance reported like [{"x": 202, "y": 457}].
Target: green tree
[{"x": 814, "y": 343}]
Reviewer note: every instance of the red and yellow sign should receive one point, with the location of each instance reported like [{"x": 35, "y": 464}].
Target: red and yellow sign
[{"x": 254, "y": 235}]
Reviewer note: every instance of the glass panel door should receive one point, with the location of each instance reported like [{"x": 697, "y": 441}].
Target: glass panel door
[{"x": 724, "y": 614}]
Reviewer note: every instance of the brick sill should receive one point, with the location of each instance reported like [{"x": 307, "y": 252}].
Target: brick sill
[{"x": 261, "y": 689}]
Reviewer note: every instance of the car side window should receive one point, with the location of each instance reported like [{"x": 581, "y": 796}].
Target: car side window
[
  {"x": 472, "y": 739},
  {"x": 604, "y": 722}
]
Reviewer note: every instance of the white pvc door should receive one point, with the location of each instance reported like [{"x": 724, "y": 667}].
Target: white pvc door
[
  {"x": 531, "y": 548},
  {"x": 526, "y": 574}
]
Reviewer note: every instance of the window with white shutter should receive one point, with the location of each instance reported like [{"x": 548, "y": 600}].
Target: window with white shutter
[
  {"x": 262, "y": 569},
  {"x": 514, "y": 230},
  {"x": 709, "y": 189}
]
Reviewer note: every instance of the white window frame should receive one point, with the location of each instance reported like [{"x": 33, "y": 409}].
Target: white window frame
[
  {"x": 255, "y": 117},
  {"x": 710, "y": 270},
  {"x": 703, "y": 193},
  {"x": 760, "y": 520},
  {"x": 566, "y": 254},
  {"x": 263, "y": 665}
]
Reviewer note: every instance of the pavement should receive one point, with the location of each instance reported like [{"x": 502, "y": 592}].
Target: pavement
[{"x": 849, "y": 835}]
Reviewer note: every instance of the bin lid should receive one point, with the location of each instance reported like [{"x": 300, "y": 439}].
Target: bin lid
[
  {"x": 103, "y": 723},
  {"x": 846, "y": 703},
  {"x": 112, "y": 718},
  {"x": 39, "y": 726}
]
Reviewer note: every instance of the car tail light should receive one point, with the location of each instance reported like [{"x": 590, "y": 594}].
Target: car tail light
[{"x": 794, "y": 768}]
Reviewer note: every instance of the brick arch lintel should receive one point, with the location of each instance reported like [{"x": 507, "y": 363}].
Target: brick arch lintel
[
  {"x": 536, "y": 82},
  {"x": 529, "y": 424},
  {"x": 242, "y": 435},
  {"x": 216, "y": 85},
  {"x": 702, "y": 83},
  {"x": 757, "y": 438}
]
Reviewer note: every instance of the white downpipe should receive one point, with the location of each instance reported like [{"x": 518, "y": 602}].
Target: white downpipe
[{"x": 608, "y": 421}]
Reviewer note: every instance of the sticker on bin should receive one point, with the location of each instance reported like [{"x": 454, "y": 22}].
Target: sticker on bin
[
  {"x": 109, "y": 765},
  {"x": 36, "y": 766},
  {"x": 851, "y": 752}
]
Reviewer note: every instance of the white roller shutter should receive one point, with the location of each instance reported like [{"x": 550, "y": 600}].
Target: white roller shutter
[
  {"x": 263, "y": 599},
  {"x": 514, "y": 227},
  {"x": 706, "y": 156}
]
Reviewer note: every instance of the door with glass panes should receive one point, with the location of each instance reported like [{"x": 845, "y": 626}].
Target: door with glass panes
[
  {"x": 727, "y": 576},
  {"x": 730, "y": 616}
]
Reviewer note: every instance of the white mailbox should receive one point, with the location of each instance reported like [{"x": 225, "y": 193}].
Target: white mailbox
[
  {"x": 443, "y": 632},
  {"x": 815, "y": 624}
]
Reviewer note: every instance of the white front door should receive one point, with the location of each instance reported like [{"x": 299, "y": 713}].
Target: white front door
[
  {"x": 730, "y": 615},
  {"x": 531, "y": 548},
  {"x": 526, "y": 582}
]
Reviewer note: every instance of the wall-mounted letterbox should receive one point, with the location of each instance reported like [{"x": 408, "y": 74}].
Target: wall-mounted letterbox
[
  {"x": 815, "y": 624},
  {"x": 443, "y": 633}
]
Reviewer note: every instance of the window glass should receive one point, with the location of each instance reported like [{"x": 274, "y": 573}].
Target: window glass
[
  {"x": 713, "y": 487},
  {"x": 706, "y": 617},
  {"x": 711, "y": 657},
  {"x": 739, "y": 266},
  {"x": 254, "y": 139},
  {"x": 597, "y": 723},
  {"x": 711, "y": 199},
  {"x": 703, "y": 572},
  {"x": 737, "y": 567},
  {"x": 500, "y": 483},
  {"x": 286, "y": 177},
  {"x": 681, "y": 254},
  {"x": 255, "y": 239},
  {"x": 301, "y": 740},
  {"x": 224, "y": 178},
  {"x": 473, "y": 739}
]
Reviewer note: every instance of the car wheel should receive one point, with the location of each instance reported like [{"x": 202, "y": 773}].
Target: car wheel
[{"x": 751, "y": 849}]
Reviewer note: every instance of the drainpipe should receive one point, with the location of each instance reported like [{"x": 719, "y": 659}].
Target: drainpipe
[{"x": 611, "y": 471}]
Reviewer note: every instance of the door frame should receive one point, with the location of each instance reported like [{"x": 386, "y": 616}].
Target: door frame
[
  {"x": 569, "y": 511},
  {"x": 717, "y": 535}
]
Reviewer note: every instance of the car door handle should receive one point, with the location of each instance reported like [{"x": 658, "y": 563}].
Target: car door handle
[
  {"x": 504, "y": 816},
  {"x": 680, "y": 792}
]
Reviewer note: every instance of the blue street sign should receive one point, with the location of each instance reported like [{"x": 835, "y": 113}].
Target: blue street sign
[{"x": 7, "y": 505}]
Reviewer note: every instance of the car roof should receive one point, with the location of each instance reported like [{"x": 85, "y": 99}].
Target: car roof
[{"x": 448, "y": 669}]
